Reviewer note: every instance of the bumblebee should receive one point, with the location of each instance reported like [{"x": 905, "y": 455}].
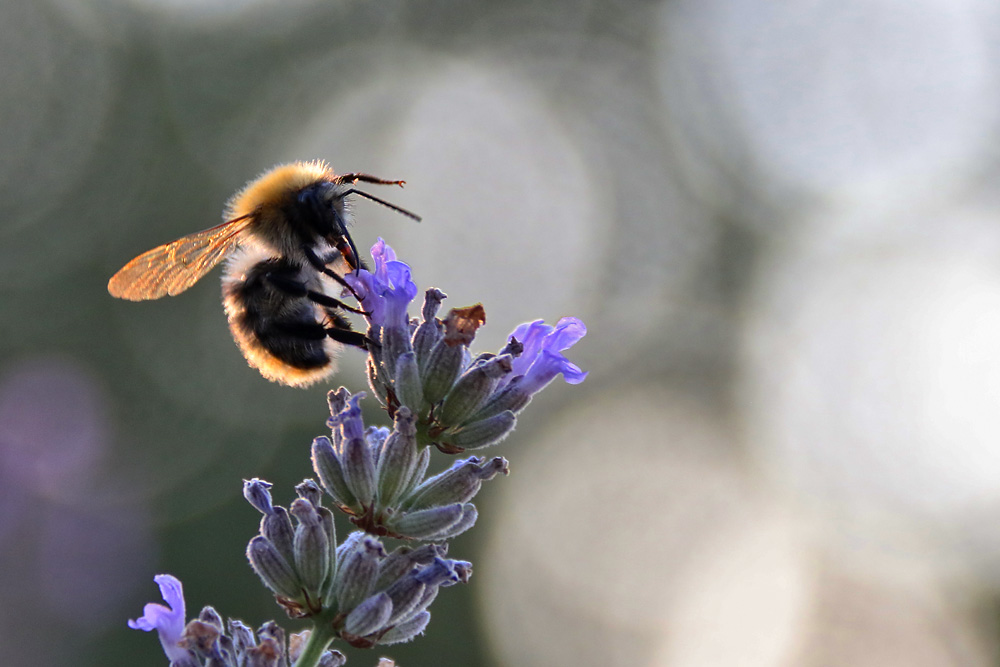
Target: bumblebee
[{"x": 285, "y": 235}]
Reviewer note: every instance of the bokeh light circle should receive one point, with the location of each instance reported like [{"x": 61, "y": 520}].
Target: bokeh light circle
[
  {"x": 870, "y": 378},
  {"x": 868, "y": 100},
  {"x": 607, "y": 529}
]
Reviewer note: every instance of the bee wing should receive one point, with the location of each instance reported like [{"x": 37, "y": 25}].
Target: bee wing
[{"x": 171, "y": 268}]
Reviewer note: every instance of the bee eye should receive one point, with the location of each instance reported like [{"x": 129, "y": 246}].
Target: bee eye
[{"x": 307, "y": 196}]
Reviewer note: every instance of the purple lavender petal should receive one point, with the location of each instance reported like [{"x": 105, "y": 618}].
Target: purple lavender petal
[
  {"x": 382, "y": 253},
  {"x": 400, "y": 295},
  {"x": 364, "y": 284},
  {"x": 167, "y": 621},
  {"x": 567, "y": 332},
  {"x": 530, "y": 335},
  {"x": 546, "y": 368},
  {"x": 541, "y": 360},
  {"x": 387, "y": 291}
]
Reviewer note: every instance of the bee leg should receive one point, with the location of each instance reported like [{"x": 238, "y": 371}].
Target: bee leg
[
  {"x": 301, "y": 330},
  {"x": 296, "y": 288},
  {"x": 321, "y": 266},
  {"x": 286, "y": 285},
  {"x": 349, "y": 337},
  {"x": 330, "y": 302},
  {"x": 344, "y": 334}
]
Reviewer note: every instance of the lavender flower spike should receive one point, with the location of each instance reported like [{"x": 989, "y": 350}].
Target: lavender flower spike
[{"x": 167, "y": 621}]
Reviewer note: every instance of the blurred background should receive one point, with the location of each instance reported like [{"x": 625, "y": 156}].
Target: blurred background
[{"x": 778, "y": 220}]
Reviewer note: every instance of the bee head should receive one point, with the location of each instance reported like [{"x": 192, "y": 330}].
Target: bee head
[{"x": 321, "y": 207}]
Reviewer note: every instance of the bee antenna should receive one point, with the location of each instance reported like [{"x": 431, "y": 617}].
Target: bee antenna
[{"x": 377, "y": 200}]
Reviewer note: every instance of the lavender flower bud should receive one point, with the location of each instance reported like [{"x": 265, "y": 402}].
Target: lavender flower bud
[
  {"x": 402, "y": 561},
  {"x": 439, "y": 573},
  {"x": 273, "y": 569},
  {"x": 512, "y": 397},
  {"x": 242, "y": 635},
  {"x": 296, "y": 642},
  {"x": 467, "y": 521},
  {"x": 463, "y": 570},
  {"x": 267, "y": 654},
  {"x": 405, "y": 593},
  {"x": 406, "y": 631},
  {"x": 201, "y": 637},
  {"x": 398, "y": 461},
  {"x": 436, "y": 575},
  {"x": 472, "y": 389},
  {"x": 458, "y": 484},
  {"x": 329, "y": 529},
  {"x": 430, "y": 330},
  {"x": 357, "y": 572},
  {"x": 351, "y": 426},
  {"x": 376, "y": 436},
  {"x": 327, "y": 466},
  {"x": 432, "y": 303},
  {"x": 223, "y": 652},
  {"x": 309, "y": 490},
  {"x": 273, "y": 632},
  {"x": 210, "y": 616},
  {"x": 277, "y": 527},
  {"x": 372, "y": 373},
  {"x": 419, "y": 470},
  {"x": 430, "y": 594},
  {"x": 443, "y": 365},
  {"x": 395, "y": 343},
  {"x": 337, "y": 400},
  {"x": 448, "y": 356},
  {"x": 359, "y": 471},
  {"x": 312, "y": 546},
  {"x": 514, "y": 347},
  {"x": 409, "y": 389},
  {"x": 481, "y": 433},
  {"x": 347, "y": 546},
  {"x": 257, "y": 492},
  {"x": 424, "y": 523},
  {"x": 369, "y": 616}
]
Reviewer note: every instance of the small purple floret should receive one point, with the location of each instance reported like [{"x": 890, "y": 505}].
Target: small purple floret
[
  {"x": 386, "y": 292},
  {"x": 352, "y": 427},
  {"x": 441, "y": 572},
  {"x": 542, "y": 359},
  {"x": 167, "y": 621}
]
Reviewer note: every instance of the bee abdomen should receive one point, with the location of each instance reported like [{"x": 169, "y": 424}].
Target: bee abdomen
[
  {"x": 280, "y": 333},
  {"x": 298, "y": 344}
]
